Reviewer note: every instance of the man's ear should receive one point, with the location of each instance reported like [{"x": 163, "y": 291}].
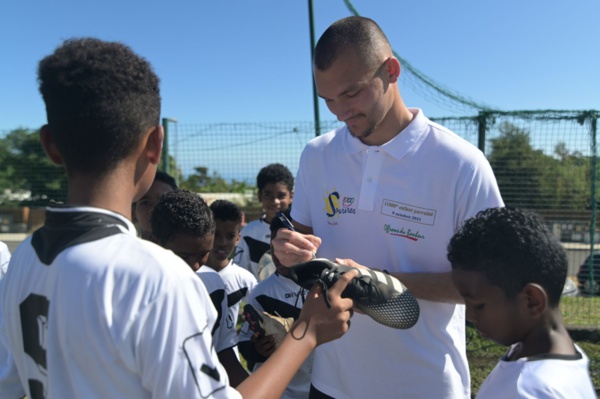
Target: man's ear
[
  {"x": 154, "y": 142},
  {"x": 393, "y": 69},
  {"x": 535, "y": 299},
  {"x": 49, "y": 146}
]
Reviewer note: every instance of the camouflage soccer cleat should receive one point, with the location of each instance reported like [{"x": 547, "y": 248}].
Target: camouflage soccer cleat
[
  {"x": 267, "y": 324},
  {"x": 380, "y": 296}
]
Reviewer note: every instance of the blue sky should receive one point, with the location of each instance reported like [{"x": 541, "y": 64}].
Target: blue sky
[{"x": 249, "y": 61}]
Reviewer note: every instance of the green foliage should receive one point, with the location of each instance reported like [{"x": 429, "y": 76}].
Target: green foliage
[
  {"x": 530, "y": 179},
  {"x": 202, "y": 182},
  {"x": 25, "y": 166}
]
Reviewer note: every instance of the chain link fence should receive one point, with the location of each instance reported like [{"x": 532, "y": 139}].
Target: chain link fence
[{"x": 545, "y": 161}]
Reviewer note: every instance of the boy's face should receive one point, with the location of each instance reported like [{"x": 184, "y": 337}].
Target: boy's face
[
  {"x": 496, "y": 317},
  {"x": 193, "y": 250},
  {"x": 227, "y": 236},
  {"x": 275, "y": 197},
  {"x": 143, "y": 208}
]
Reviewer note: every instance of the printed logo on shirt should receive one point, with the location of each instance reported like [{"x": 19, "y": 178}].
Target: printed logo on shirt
[
  {"x": 409, "y": 213},
  {"x": 332, "y": 206},
  {"x": 410, "y": 234}
]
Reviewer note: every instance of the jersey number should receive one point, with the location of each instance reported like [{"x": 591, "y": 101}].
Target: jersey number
[{"x": 34, "y": 323}]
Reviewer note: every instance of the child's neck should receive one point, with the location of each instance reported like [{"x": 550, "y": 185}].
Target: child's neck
[
  {"x": 217, "y": 265},
  {"x": 550, "y": 337}
]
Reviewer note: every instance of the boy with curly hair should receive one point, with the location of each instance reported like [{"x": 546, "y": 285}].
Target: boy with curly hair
[
  {"x": 87, "y": 309},
  {"x": 510, "y": 270}
]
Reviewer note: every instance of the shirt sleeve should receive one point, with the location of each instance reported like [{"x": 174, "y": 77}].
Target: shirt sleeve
[{"x": 179, "y": 361}]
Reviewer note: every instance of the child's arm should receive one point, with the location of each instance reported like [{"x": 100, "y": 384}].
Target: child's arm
[
  {"x": 258, "y": 349},
  {"x": 317, "y": 324},
  {"x": 235, "y": 371}
]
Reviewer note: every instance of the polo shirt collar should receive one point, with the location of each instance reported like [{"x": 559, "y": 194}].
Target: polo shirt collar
[{"x": 400, "y": 145}]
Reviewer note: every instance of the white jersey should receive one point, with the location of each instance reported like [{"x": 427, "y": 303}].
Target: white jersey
[
  {"x": 4, "y": 258},
  {"x": 254, "y": 242},
  {"x": 91, "y": 311},
  {"x": 278, "y": 295},
  {"x": 540, "y": 377},
  {"x": 239, "y": 283},
  {"x": 224, "y": 337},
  {"x": 394, "y": 207}
]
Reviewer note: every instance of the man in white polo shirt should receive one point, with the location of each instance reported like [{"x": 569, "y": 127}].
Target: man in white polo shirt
[{"x": 388, "y": 189}]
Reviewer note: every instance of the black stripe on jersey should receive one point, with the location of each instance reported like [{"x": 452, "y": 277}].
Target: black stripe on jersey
[
  {"x": 217, "y": 297},
  {"x": 277, "y": 307},
  {"x": 236, "y": 296},
  {"x": 257, "y": 248},
  {"x": 62, "y": 230}
]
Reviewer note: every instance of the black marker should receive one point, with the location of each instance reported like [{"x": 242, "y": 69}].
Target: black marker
[{"x": 288, "y": 225}]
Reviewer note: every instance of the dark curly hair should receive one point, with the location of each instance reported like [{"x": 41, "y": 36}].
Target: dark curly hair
[
  {"x": 275, "y": 173},
  {"x": 359, "y": 33},
  {"x": 100, "y": 98},
  {"x": 181, "y": 211},
  {"x": 226, "y": 211},
  {"x": 512, "y": 247}
]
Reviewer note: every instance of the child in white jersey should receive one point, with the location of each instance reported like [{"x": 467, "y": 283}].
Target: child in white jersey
[
  {"x": 87, "y": 309},
  {"x": 280, "y": 296},
  {"x": 238, "y": 281},
  {"x": 275, "y": 185},
  {"x": 182, "y": 222},
  {"x": 510, "y": 270}
]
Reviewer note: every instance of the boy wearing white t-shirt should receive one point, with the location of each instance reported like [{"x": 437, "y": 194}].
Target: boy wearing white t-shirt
[
  {"x": 87, "y": 309},
  {"x": 238, "y": 281},
  {"x": 275, "y": 185},
  {"x": 182, "y": 222},
  {"x": 510, "y": 270}
]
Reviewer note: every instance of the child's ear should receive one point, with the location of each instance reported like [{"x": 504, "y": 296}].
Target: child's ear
[
  {"x": 536, "y": 299},
  {"x": 154, "y": 142},
  {"x": 49, "y": 146}
]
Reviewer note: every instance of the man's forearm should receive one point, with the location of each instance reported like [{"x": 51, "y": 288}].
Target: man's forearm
[{"x": 436, "y": 287}]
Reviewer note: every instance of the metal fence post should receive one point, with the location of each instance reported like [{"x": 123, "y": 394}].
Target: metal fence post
[
  {"x": 592, "y": 116},
  {"x": 481, "y": 127}
]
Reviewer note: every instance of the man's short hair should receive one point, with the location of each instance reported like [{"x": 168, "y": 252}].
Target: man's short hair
[
  {"x": 275, "y": 173},
  {"x": 358, "y": 33},
  {"x": 511, "y": 247},
  {"x": 226, "y": 211},
  {"x": 181, "y": 212},
  {"x": 100, "y": 98}
]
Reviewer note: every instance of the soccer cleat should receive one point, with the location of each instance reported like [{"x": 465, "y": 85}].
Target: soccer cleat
[
  {"x": 380, "y": 296},
  {"x": 268, "y": 324}
]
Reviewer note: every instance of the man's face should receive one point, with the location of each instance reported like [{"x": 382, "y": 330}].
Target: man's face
[
  {"x": 143, "y": 208},
  {"x": 193, "y": 250},
  {"x": 227, "y": 236},
  {"x": 275, "y": 197},
  {"x": 355, "y": 93}
]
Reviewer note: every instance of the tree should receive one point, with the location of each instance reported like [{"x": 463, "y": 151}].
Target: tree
[
  {"x": 26, "y": 166},
  {"x": 529, "y": 178},
  {"x": 202, "y": 182}
]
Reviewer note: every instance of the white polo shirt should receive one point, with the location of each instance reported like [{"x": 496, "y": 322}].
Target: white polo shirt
[
  {"x": 90, "y": 311},
  {"x": 255, "y": 240},
  {"x": 394, "y": 207}
]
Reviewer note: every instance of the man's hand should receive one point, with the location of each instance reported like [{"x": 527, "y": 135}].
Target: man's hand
[{"x": 292, "y": 247}]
